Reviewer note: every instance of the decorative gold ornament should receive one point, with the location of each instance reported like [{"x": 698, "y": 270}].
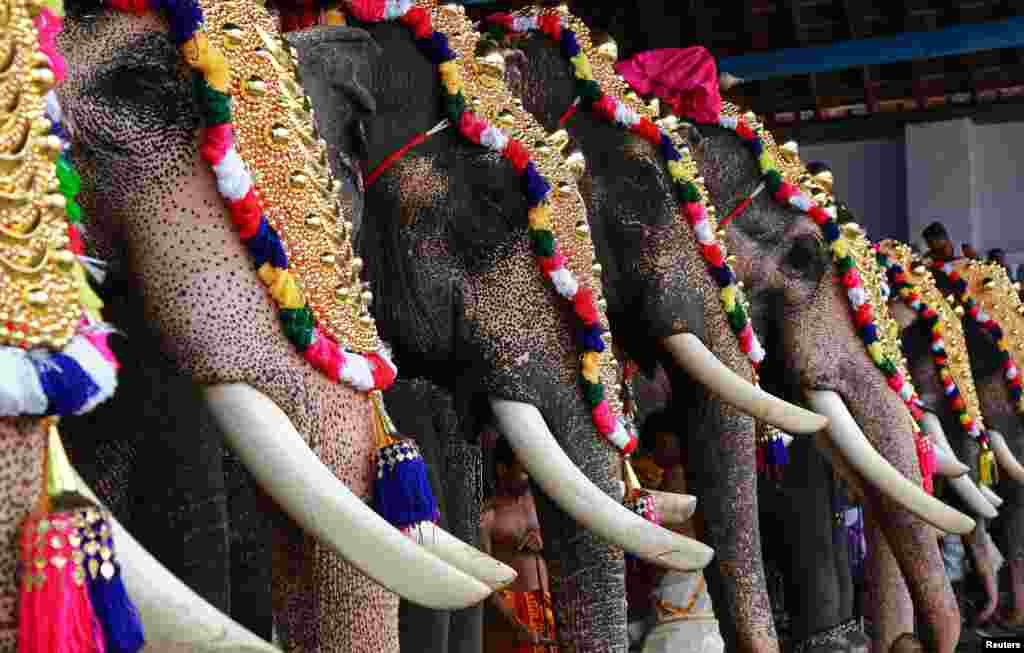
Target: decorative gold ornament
[
  {"x": 38, "y": 292},
  {"x": 992, "y": 288}
]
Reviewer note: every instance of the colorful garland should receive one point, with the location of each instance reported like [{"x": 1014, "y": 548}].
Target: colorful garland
[
  {"x": 434, "y": 45},
  {"x": 1011, "y": 373},
  {"x": 790, "y": 195},
  {"x": 364, "y": 372},
  {"x": 83, "y": 374},
  {"x": 591, "y": 96},
  {"x": 912, "y": 298}
]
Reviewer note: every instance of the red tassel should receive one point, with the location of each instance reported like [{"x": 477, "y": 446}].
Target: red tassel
[
  {"x": 56, "y": 614},
  {"x": 926, "y": 461}
]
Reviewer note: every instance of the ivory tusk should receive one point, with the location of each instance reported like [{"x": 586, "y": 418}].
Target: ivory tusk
[
  {"x": 494, "y": 573},
  {"x": 535, "y": 446},
  {"x": 862, "y": 457},
  {"x": 990, "y": 496},
  {"x": 690, "y": 354},
  {"x": 972, "y": 496},
  {"x": 1007, "y": 461},
  {"x": 947, "y": 463},
  {"x": 174, "y": 618},
  {"x": 276, "y": 455}
]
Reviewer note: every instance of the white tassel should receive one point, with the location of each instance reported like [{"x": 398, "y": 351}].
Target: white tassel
[
  {"x": 233, "y": 180},
  {"x": 729, "y": 122},
  {"x": 96, "y": 268},
  {"x": 20, "y": 390},
  {"x": 53, "y": 110},
  {"x": 906, "y": 391},
  {"x": 620, "y": 436},
  {"x": 757, "y": 353}
]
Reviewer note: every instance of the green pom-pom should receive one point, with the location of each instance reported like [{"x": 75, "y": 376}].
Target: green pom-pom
[
  {"x": 845, "y": 264},
  {"x": 454, "y": 106},
  {"x": 690, "y": 192},
  {"x": 70, "y": 182},
  {"x": 298, "y": 326},
  {"x": 74, "y": 211},
  {"x": 216, "y": 105},
  {"x": 888, "y": 368},
  {"x": 737, "y": 317},
  {"x": 496, "y": 32},
  {"x": 588, "y": 90},
  {"x": 543, "y": 242},
  {"x": 592, "y": 392},
  {"x": 773, "y": 181}
]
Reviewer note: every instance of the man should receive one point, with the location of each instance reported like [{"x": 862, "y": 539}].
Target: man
[
  {"x": 940, "y": 247},
  {"x": 518, "y": 619},
  {"x": 997, "y": 255}
]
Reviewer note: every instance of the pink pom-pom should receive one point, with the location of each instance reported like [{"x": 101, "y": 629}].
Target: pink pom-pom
[
  {"x": 324, "y": 355},
  {"x": 383, "y": 370},
  {"x": 895, "y": 382},
  {"x": 368, "y": 11},
  {"x": 217, "y": 140},
  {"x": 746, "y": 336},
  {"x": 472, "y": 126},
  {"x": 603, "y": 418},
  {"x": 605, "y": 107}
]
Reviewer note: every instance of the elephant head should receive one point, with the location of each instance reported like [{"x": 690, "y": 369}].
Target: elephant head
[
  {"x": 663, "y": 301},
  {"x": 459, "y": 296},
  {"x": 801, "y": 306},
  {"x": 134, "y": 107}
]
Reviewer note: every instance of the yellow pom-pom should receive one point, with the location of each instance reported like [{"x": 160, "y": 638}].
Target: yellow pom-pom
[
  {"x": 591, "y": 367},
  {"x": 210, "y": 61},
  {"x": 677, "y": 170},
  {"x": 766, "y": 162},
  {"x": 451, "y": 77},
  {"x": 877, "y": 355},
  {"x": 839, "y": 248},
  {"x": 965, "y": 418},
  {"x": 540, "y": 218},
  {"x": 582, "y": 66},
  {"x": 729, "y": 298},
  {"x": 282, "y": 286},
  {"x": 334, "y": 17}
]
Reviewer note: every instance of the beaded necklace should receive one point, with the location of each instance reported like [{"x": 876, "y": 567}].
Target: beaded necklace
[{"x": 912, "y": 296}]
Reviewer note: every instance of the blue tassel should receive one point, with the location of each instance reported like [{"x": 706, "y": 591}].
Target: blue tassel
[
  {"x": 122, "y": 627},
  {"x": 402, "y": 493},
  {"x": 570, "y": 46},
  {"x": 777, "y": 453},
  {"x": 757, "y": 147},
  {"x": 185, "y": 17}
]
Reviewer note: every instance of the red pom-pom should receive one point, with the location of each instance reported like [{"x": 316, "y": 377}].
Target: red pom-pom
[
  {"x": 603, "y": 418},
  {"x": 865, "y": 315},
  {"x": 819, "y": 215},
  {"x": 505, "y": 20},
  {"x": 384, "y": 372},
  {"x": 713, "y": 254},
  {"x": 418, "y": 19},
  {"x": 851, "y": 278},
  {"x": 471, "y": 126},
  {"x": 786, "y": 191},
  {"x": 137, "y": 7},
  {"x": 551, "y": 25},
  {"x": 958, "y": 404},
  {"x": 605, "y": 107},
  {"x": 549, "y": 264},
  {"x": 744, "y": 131},
  {"x": 75, "y": 241},
  {"x": 585, "y": 307},
  {"x": 895, "y": 382},
  {"x": 217, "y": 140},
  {"x": 245, "y": 215},
  {"x": 517, "y": 155},
  {"x": 648, "y": 131},
  {"x": 368, "y": 11},
  {"x": 694, "y": 213}
]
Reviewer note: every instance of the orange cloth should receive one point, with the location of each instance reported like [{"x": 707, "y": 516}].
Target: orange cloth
[{"x": 500, "y": 636}]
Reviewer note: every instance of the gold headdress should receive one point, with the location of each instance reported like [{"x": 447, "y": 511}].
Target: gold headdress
[{"x": 990, "y": 285}]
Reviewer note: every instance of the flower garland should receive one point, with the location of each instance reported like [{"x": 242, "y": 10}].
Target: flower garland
[
  {"x": 988, "y": 324},
  {"x": 368, "y": 372},
  {"x": 790, "y": 195},
  {"x": 83, "y": 373},
  {"x": 434, "y": 45},
  {"x": 591, "y": 96},
  {"x": 911, "y": 296}
]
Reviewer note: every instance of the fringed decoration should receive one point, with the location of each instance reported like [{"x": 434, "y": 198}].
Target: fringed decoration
[
  {"x": 926, "y": 462},
  {"x": 402, "y": 493},
  {"x": 110, "y": 602},
  {"x": 987, "y": 474}
]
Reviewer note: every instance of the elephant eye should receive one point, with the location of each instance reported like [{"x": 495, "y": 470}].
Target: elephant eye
[
  {"x": 807, "y": 255},
  {"x": 139, "y": 84}
]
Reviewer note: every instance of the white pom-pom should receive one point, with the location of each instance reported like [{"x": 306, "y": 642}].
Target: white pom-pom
[
  {"x": 704, "y": 233},
  {"x": 757, "y": 353},
  {"x": 53, "y": 110},
  {"x": 524, "y": 23},
  {"x": 1011, "y": 373},
  {"x": 493, "y": 139},
  {"x": 97, "y": 367},
  {"x": 233, "y": 180},
  {"x": 620, "y": 436},
  {"x": 983, "y": 316},
  {"x": 357, "y": 372},
  {"x": 801, "y": 202},
  {"x": 396, "y": 8},
  {"x": 565, "y": 282},
  {"x": 906, "y": 391},
  {"x": 857, "y": 296},
  {"x": 625, "y": 115},
  {"x": 729, "y": 122},
  {"x": 20, "y": 390}
]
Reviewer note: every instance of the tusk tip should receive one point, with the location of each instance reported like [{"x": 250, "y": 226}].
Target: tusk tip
[{"x": 688, "y": 560}]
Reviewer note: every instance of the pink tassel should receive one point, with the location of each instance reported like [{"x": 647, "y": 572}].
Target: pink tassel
[
  {"x": 56, "y": 614},
  {"x": 926, "y": 461}
]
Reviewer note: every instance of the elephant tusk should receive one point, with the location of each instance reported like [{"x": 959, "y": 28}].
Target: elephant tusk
[
  {"x": 494, "y": 573},
  {"x": 862, "y": 457},
  {"x": 276, "y": 455},
  {"x": 535, "y": 446},
  {"x": 173, "y": 616},
  {"x": 1007, "y": 461},
  {"x": 693, "y": 356},
  {"x": 972, "y": 496},
  {"x": 990, "y": 496},
  {"x": 948, "y": 464},
  {"x": 787, "y": 439}
]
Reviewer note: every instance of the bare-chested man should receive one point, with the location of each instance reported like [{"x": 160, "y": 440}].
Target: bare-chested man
[{"x": 518, "y": 619}]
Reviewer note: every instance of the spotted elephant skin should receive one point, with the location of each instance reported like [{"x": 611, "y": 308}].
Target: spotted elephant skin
[
  {"x": 801, "y": 311},
  {"x": 657, "y": 285},
  {"x": 459, "y": 295},
  {"x": 130, "y": 102}
]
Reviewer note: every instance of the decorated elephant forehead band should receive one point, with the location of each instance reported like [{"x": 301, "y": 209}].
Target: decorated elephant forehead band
[
  {"x": 985, "y": 293},
  {"x": 292, "y": 226},
  {"x": 54, "y": 358},
  {"x": 954, "y": 372}
]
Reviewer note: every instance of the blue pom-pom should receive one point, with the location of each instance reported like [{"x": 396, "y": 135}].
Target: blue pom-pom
[
  {"x": 831, "y": 231},
  {"x": 997, "y": 332},
  {"x": 402, "y": 493},
  {"x": 185, "y": 17},
  {"x": 869, "y": 334},
  {"x": 1015, "y": 393},
  {"x": 592, "y": 338},
  {"x": 756, "y": 146},
  {"x": 668, "y": 149},
  {"x": 536, "y": 187},
  {"x": 265, "y": 246},
  {"x": 66, "y": 385},
  {"x": 436, "y": 48},
  {"x": 570, "y": 46},
  {"x": 723, "y": 276}
]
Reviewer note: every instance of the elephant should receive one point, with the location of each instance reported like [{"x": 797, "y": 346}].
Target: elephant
[
  {"x": 449, "y": 260},
  {"x": 133, "y": 108},
  {"x": 660, "y": 296}
]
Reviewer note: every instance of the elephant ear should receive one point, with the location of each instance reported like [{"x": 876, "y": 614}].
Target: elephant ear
[{"x": 336, "y": 68}]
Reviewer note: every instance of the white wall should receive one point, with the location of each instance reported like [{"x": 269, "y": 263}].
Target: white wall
[{"x": 999, "y": 194}]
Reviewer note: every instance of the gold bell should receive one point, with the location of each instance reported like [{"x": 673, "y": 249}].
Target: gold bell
[
  {"x": 989, "y": 283},
  {"x": 356, "y": 266},
  {"x": 492, "y": 65},
  {"x": 919, "y": 270},
  {"x": 254, "y": 87},
  {"x": 597, "y": 269},
  {"x": 632, "y": 97},
  {"x": 558, "y": 139},
  {"x": 314, "y": 221},
  {"x": 1020, "y": 309},
  {"x": 506, "y": 118},
  {"x": 298, "y": 180},
  {"x": 582, "y": 228},
  {"x": 43, "y": 77},
  {"x": 328, "y": 259},
  {"x": 576, "y": 164},
  {"x": 669, "y": 123},
  {"x": 233, "y": 36},
  {"x": 959, "y": 310},
  {"x": 609, "y": 51},
  {"x": 280, "y": 134}
]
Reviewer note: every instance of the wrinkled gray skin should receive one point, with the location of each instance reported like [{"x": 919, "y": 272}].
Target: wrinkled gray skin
[
  {"x": 457, "y": 290},
  {"x": 657, "y": 285}
]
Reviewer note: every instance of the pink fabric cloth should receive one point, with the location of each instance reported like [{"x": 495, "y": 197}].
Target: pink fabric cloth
[{"x": 686, "y": 79}]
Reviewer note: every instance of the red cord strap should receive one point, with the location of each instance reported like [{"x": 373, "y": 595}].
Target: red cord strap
[
  {"x": 381, "y": 167},
  {"x": 741, "y": 207}
]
